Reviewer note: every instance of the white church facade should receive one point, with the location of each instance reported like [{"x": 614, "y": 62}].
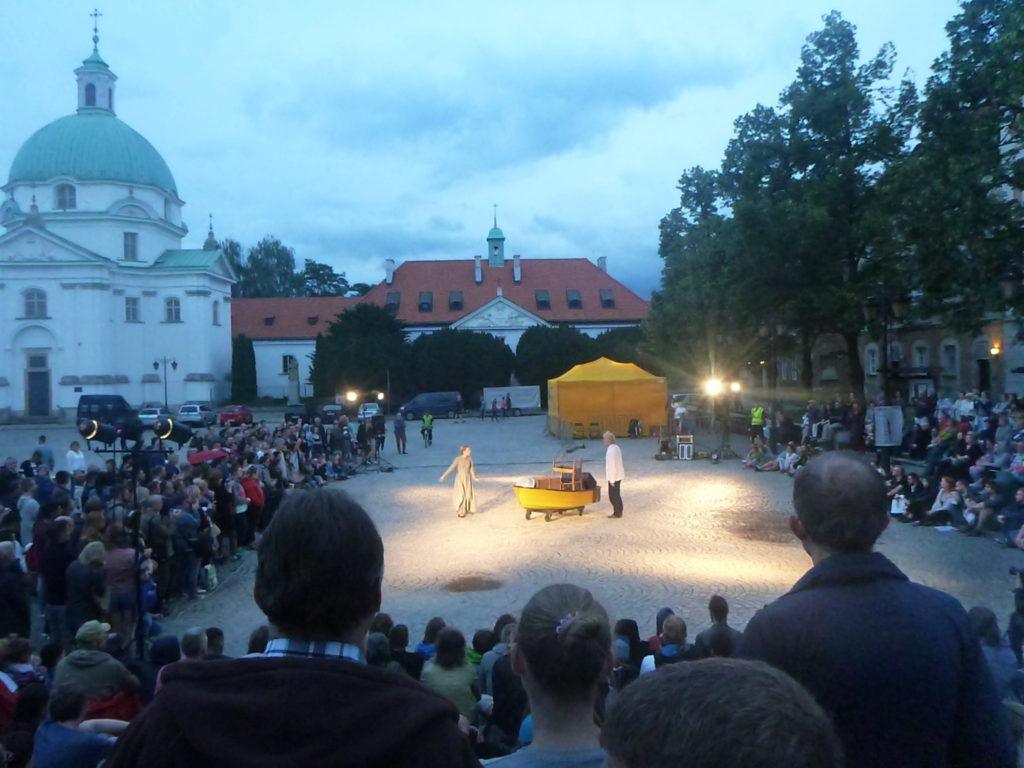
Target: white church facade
[{"x": 97, "y": 294}]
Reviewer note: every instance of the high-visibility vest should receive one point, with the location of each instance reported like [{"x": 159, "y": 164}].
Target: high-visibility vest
[{"x": 757, "y": 416}]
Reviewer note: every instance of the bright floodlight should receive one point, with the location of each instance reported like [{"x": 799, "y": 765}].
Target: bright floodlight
[
  {"x": 351, "y": 395},
  {"x": 734, "y": 387},
  {"x": 713, "y": 387},
  {"x": 380, "y": 395}
]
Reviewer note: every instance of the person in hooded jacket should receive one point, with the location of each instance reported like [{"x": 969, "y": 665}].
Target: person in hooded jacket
[{"x": 311, "y": 698}]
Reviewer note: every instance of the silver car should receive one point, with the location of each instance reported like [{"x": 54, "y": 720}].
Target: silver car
[
  {"x": 149, "y": 416},
  {"x": 197, "y": 415}
]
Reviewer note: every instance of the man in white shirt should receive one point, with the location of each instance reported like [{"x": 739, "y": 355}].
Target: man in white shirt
[
  {"x": 75, "y": 458},
  {"x": 613, "y": 473}
]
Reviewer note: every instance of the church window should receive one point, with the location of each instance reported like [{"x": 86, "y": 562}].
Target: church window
[
  {"x": 287, "y": 362},
  {"x": 573, "y": 298},
  {"x": 131, "y": 246},
  {"x": 65, "y": 194},
  {"x": 607, "y": 298},
  {"x": 393, "y": 300},
  {"x": 543, "y": 298},
  {"x": 216, "y": 313},
  {"x": 172, "y": 310},
  {"x": 35, "y": 303},
  {"x": 131, "y": 309},
  {"x": 455, "y": 301},
  {"x": 167, "y": 209},
  {"x": 426, "y": 301},
  {"x": 90, "y": 95}
]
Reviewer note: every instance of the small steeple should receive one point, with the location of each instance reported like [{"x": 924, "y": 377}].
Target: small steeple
[
  {"x": 211, "y": 243},
  {"x": 95, "y": 80},
  {"x": 496, "y": 243},
  {"x": 33, "y": 217}
]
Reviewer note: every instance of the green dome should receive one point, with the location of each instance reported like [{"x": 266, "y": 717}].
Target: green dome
[
  {"x": 495, "y": 234},
  {"x": 92, "y": 145}
]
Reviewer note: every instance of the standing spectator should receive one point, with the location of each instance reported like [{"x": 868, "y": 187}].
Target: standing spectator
[
  {"x": 224, "y": 516},
  {"x": 157, "y": 529},
  {"x": 122, "y": 589},
  {"x": 253, "y": 490},
  {"x": 28, "y": 510},
  {"x": 15, "y": 614},
  {"x": 719, "y": 636},
  {"x": 614, "y": 473},
  {"x": 449, "y": 674},
  {"x": 718, "y": 713},
  {"x": 561, "y": 652},
  {"x": 45, "y": 452},
  {"x": 57, "y": 556},
  {"x": 870, "y": 645},
  {"x": 75, "y": 459},
  {"x": 399, "y": 427},
  {"x": 67, "y": 739},
  {"x": 312, "y": 699},
  {"x": 87, "y": 586}
]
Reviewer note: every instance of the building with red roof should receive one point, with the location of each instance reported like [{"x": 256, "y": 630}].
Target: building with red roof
[{"x": 489, "y": 294}]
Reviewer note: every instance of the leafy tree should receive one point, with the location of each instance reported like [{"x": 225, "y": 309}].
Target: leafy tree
[
  {"x": 361, "y": 347},
  {"x": 462, "y": 361},
  {"x": 547, "y": 352},
  {"x": 269, "y": 270},
  {"x": 624, "y": 345},
  {"x": 321, "y": 280},
  {"x": 232, "y": 250},
  {"x": 360, "y": 289},
  {"x": 243, "y": 369}
]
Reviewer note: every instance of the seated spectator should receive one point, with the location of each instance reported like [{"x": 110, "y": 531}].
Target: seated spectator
[
  {"x": 719, "y": 713},
  {"x": 382, "y": 624},
  {"x": 165, "y": 650},
  {"x": 214, "y": 644},
  {"x": 426, "y": 647},
  {"x": 1002, "y": 662},
  {"x": 503, "y": 630},
  {"x": 378, "y": 653},
  {"x": 947, "y": 505},
  {"x": 449, "y": 673},
  {"x": 90, "y": 669},
  {"x": 627, "y": 629},
  {"x": 719, "y": 635},
  {"x": 623, "y": 671},
  {"x": 20, "y": 733},
  {"x": 483, "y": 641},
  {"x": 258, "y": 640},
  {"x": 16, "y": 661},
  {"x": 66, "y": 739},
  {"x": 979, "y": 509},
  {"x": 49, "y": 657},
  {"x": 562, "y": 652},
  {"x": 870, "y": 645},
  {"x": 15, "y": 614},
  {"x": 1011, "y": 518},
  {"x": 674, "y": 647},
  {"x": 411, "y": 662},
  {"x": 311, "y": 699},
  {"x": 757, "y": 455},
  {"x": 654, "y": 642}
]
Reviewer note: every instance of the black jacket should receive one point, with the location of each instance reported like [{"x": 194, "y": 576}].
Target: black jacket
[{"x": 894, "y": 663}]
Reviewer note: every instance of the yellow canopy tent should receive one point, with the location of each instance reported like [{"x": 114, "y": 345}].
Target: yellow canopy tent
[{"x": 608, "y": 394}]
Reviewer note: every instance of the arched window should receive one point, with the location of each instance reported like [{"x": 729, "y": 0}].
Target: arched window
[
  {"x": 65, "y": 197},
  {"x": 216, "y": 313},
  {"x": 90, "y": 95},
  {"x": 871, "y": 359},
  {"x": 895, "y": 352},
  {"x": 921, "y": 354},
  {"x": 35, "y": 303},
  {"x": 172, "y": 310},
  {"x": 288, "y": 362}
]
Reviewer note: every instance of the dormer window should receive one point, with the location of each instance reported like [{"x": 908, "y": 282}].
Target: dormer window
[
  {"x": 90, "y": 95},
  {"x": 573, "y": 299},
  {"x": 269, "y": 320},
  {"x": 65, "y": 198},
  {"x": 131, "y": 246},
  {"x": 313, "y": 319},
  {"x": 543, "y": 299},
  {"x": 426, "y": 301},
  {"x": 393, "y": 301},
  {"x": 607, "y": 298},
  {"x": 455, "y": 301}
]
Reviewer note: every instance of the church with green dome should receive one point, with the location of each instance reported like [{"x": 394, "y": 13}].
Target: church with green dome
[{"x": 99, "y": 283}]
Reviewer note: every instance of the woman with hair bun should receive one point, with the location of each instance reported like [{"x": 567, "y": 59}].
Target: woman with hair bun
[{"x": 562, "y": 653}]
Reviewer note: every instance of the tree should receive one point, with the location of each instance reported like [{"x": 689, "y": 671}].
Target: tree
[
  {"x": 269, "y": 270},
  {"x": 361, "y": 349},
  {"x": 232, "y": 251},
  {"x": 321, "y": 280},
  {"x": 243, "y": 370},
  {"x": 624, "y": 345},
  {"x": 360, "y": 289},
  {"x": 462, "y": 361},
  {"x": 547, "y": 352}
]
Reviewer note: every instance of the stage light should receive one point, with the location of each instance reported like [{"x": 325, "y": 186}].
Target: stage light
[
  {"x": 713, "y": 387},
  {"x": 168, "y": 429},
  {"x": 735, "y": 387},
  {"x": 91, "y": 429},
  {"x": 380, "y": 395},
  {"x": 351, "y": 395}
]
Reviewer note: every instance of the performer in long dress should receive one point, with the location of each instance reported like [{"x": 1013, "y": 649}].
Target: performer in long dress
[{"x": 465, "y": 476}]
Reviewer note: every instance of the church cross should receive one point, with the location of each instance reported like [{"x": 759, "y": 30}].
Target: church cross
[
  {"x": 495, "y": 214},
  {"x": 95, "y": 26}
]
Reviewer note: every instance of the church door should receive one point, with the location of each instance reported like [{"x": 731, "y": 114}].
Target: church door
[{"x": 37, "y": 385}]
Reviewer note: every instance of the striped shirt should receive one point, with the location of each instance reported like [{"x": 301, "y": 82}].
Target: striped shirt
[{"x": 321, "y": 649}]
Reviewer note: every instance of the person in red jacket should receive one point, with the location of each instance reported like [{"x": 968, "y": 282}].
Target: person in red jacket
[
  {"x": 253, "y": 489},
  {"x": 310, "y": 699}
]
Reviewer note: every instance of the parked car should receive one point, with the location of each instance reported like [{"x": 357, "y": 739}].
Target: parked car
[
  {"x": 332, "y": 412},
  {"x": 368, "y": 410},
  {"x": 107, "y": 409},
  {"x": 295, "y": 413},
  {"x": 197, "y": 415},
  {"x": 235, "y": 415},
  {"x": 435, "y": 403},
  {"x": 148, "y": 416}
]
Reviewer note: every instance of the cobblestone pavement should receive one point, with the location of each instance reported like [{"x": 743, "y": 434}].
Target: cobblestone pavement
[{"x": 690, "y": 529}]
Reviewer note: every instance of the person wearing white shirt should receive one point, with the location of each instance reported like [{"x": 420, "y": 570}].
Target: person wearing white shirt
[
  {"x": 613, "y": 473},
  {"x": 75, "y": 459}
]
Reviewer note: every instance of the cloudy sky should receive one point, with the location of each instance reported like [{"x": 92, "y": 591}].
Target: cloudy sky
[{"x": 361, "y": 131}]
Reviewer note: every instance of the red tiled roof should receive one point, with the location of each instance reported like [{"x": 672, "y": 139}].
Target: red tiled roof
[
  {"x": 556, "y": 276},
  {"x": 441, "y": 277},
  {"x": 294, "y": 318}
]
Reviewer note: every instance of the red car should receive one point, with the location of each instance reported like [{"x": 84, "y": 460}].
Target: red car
[{"x": 235, "y": 415}]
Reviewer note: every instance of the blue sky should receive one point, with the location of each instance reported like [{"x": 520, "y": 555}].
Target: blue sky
[{"x": 356, "y": 132}]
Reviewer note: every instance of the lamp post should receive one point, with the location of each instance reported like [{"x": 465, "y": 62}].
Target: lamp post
[
  {"x": 886, "y": 307},
  {"x": 164, "y": 361}
]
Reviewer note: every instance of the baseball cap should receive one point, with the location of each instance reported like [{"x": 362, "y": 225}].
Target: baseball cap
[{"x": 92, "y": 631}]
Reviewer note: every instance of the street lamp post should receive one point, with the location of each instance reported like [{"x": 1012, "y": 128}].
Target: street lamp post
[{"x": 163, "y": 361}]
